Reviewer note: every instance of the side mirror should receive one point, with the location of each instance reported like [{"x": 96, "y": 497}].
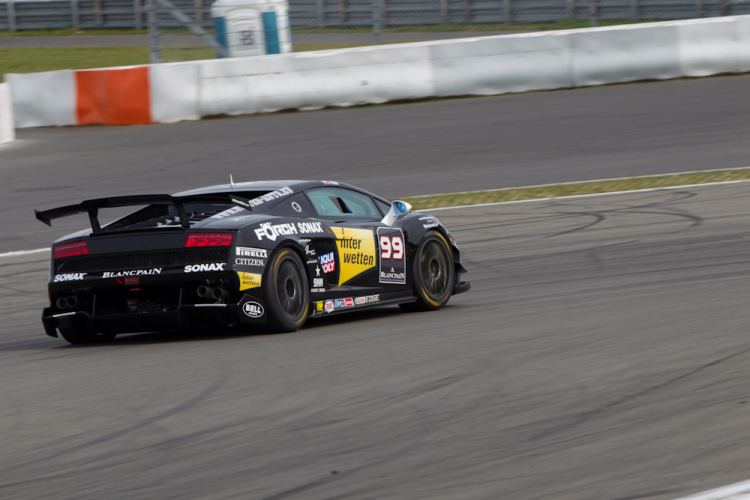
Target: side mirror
[{"x": 398, "y": 209}]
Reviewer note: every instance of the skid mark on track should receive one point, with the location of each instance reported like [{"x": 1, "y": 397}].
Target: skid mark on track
[{"x": 585, "y": 417}]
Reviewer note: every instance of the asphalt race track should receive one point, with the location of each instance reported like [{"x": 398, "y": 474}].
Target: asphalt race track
[
  {"x": 603, "y": 353},
  {"x": 423, "y": 148}
]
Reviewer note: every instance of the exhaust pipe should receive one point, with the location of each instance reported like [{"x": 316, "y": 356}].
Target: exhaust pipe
[
  {"x": 72, "y": 301},
  {"x": 219, "y": 293},
  {"x": 61, "y": 303},
  {"x": 204, "y": 291}
]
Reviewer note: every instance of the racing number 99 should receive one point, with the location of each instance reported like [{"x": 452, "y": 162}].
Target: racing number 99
[{"x": 391, "y": 248}]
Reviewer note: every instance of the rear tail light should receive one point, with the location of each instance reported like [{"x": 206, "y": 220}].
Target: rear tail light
[
  {"x": 71, "y": 250},
  {"x": 208, "y": 240}
]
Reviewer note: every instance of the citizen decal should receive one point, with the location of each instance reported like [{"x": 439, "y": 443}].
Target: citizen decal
[
  {"x": 366, "y": 300},
  {"x": 218, "y": 266},
  {"x": 252, "y": 309},
  {"x": 140, "y": 272},
  {"x": 249, "y": 262},
  {"x": 69, "y": 277},
  {"x": 272, "y": 232},
  {"x": 328, "y": 261}
]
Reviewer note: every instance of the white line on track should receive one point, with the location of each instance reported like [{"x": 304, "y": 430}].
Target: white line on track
[
  {"x": 39, "y": 250},
  {"x": 736, "y": 491},
  {"x": 24, "y": 252}
]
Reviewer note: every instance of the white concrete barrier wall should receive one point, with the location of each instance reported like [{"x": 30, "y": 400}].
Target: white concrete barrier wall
[
  {"x": 370, "y": 75},
  {"x": 7, "y": 128},
  {"x": 43, "y": 99}
]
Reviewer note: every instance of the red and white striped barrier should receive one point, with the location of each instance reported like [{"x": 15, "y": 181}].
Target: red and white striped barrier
[{"x": 366, "y": 75}]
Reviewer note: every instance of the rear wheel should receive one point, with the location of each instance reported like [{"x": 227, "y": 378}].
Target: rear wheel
[
  {"x": 82, "y": 337},
  {"x": 287, "y": 293},
  {"x": 433, "y": 274}
]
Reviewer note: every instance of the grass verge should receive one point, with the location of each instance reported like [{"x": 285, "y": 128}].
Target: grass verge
[
  {"x": 29, "y": 60},
  {"x": 575, "y": 189}
]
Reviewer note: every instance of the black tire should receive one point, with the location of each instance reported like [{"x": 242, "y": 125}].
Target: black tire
[
  {"x": 287, "y": 292},
  {"x": 79, "y": 337},
  {"x": 433, "y": 274}
]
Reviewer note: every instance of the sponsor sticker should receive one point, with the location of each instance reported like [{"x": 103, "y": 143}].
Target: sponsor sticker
[
  {"x": 430, "y": 225},
  {"x": 273, "y": 195},
  {"x": 139, "y": 272},
  {"x": 273, "y": 231},
  {"x": 356, "y": 251},
  {"x": 392, "y": 255},
  {"x": 367, "y": 299},
  {"x": 227, "y": 213},
  {"x": 328, "y": 261},
  {"x": 330, "y": 183},
  {"x": 320, "y": 306},
  {"x": 318, "y": 282},
  {"x": 341, "y": 303},
  {"x": 69, "y": 277},
  {"x": 258, "y": 253},
  {"x": 252, "y": 309},
  {"x": 217, "y": 266},
  {"x": 249, "y": 280},
  {"x": 309, "y": 251},
  {"x": 249, "y": 262},
  {"x": 317, "y": 290},
  {"x": 329, "y": 305}
]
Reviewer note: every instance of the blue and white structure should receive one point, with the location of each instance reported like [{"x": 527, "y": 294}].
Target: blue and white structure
[{"x": 252, "y": 27}]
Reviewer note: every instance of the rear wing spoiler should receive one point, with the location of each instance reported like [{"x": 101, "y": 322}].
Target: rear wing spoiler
[{"x": 92, "y": 208}]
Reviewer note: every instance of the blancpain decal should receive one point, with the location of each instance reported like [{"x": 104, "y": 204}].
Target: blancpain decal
[
  {"x": 251, "y": 252},
  {"x": 218, "y": 266},
  {"x": 273, "y": 195},
  {"x": 274, "y": 231},
  {"x": 139, "y": 272},
  {"x": 69, "y": 277}
]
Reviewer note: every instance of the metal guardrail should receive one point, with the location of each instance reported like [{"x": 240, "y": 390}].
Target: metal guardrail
[{"x": 442, "y": 15}]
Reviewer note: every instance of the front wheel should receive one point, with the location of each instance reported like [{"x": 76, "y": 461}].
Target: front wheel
[
  {"x": 433, "y": 274},
  {"x": 287, "y": 293}
]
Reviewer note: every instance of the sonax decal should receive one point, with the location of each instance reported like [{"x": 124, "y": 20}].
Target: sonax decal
[
  {"x": 249, "y": 280},
  {"x": 356, "y": 251}
]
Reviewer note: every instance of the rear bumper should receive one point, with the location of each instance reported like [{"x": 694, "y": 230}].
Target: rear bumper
[{"x": 183, "y": 317}]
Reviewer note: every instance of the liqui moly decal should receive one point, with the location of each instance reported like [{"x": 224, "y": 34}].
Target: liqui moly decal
[{"x": 328, "y": 261}]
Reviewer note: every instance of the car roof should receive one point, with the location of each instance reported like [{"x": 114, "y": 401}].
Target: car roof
[{"x": 248, "y": 186}]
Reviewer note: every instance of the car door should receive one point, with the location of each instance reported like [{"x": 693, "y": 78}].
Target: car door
[{"x": 369, "y": 256}]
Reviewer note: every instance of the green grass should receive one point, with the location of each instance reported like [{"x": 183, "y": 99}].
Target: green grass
[
  {"x": 29, "y": 60},
  {"x": 574, "y": 189}
]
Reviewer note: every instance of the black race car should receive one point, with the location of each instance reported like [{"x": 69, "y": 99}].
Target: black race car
[{"x": 260, "y": 255}]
